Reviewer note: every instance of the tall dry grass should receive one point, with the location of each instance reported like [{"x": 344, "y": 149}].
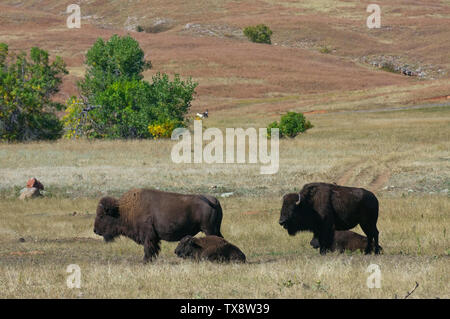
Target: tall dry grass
[
  {"x": 413, "y": 235},
  {"x": 407, "y": 151}
]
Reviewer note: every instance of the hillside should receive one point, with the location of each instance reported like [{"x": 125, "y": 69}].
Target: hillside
[{"x": 203, "y": 39}]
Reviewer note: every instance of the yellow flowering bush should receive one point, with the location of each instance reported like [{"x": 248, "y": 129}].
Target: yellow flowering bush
[
  {"x": 164, "y": 129},
  {"x": 73, "y": 117}
]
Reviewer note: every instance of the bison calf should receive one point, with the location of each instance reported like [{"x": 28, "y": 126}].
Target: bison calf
[
  {"x": 210, "y": 248},
  {"x": 148, "y": 216},
  {"x": 323, "y": 208},
  {"x": 345, "y": 240}
]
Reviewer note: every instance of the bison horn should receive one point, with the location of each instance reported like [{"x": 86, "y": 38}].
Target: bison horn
[{"x": 299, "y": 199}]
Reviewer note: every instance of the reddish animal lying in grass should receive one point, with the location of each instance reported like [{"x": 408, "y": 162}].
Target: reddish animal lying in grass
[
  {"x": 345, "y": 240},
  {"x": 210, "y": 248},
  {"x": 148, "y": 216}
]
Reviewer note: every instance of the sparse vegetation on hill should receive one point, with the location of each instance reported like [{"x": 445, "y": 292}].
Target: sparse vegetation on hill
[
  {"x": 155, "y": 26},
  {"x": 259, "y": 33}
]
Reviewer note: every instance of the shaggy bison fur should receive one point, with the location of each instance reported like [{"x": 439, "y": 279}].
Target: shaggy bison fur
[
  {"x": 210, "y": 248},
  {"x": 345, "y": 240},
  {"x": 323, "y": 208},
  {"x": 148, "y": 216}
]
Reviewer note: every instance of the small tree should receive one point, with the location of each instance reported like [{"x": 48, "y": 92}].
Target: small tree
[
  {"x": 259, "y": 33},
  {"x": 291, "y": 124},
  {"x": 115, "y": 100},
  {"x": 120, "y": 58},
  {"x": 26, "y": 88}
]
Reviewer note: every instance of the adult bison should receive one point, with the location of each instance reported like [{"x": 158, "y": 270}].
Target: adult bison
[
  {"x": 345, "y": 240},
  {"x": 212, "y": 248},
  {"x": 148, "y": 216},
  {"x": 323, "y": 208}
]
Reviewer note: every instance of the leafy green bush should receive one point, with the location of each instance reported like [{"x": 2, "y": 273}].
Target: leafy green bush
[
  {"x": 26, "y": 88},
  {"x": 291, "y": 124},
  {"x": 120, "y": 58},
  {"x": 259, "y": 33},
  {"x": 271, "y": 126},
  {"x": 116, "y": 102}
]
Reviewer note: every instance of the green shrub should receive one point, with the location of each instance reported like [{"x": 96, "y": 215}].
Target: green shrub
[
  {"x": 271, "y": 126},
  {"x": 26, "y": 88},
  {"x": 117, "y": 103},
  {"x": 291, "y": 124},
  {"x": 325, "y": 50},
  {"x": 389, "y": 67},
  {"x": 259, "y": 33}
]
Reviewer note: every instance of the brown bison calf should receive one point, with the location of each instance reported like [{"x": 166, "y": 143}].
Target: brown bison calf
[
  {"x": 323, "y": 208},
  {"x": 345, "y": 240},
  {"x": 148, "y": 216},
  {"x": 210, "y": 248}
]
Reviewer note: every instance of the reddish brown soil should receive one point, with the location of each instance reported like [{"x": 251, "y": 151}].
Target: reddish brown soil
[{"x": 230, "y": 69}]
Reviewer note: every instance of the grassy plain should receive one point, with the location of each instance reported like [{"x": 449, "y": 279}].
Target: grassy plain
[{"x": 405, "y": 151}]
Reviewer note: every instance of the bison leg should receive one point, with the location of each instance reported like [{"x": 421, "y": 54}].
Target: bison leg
[
  {"x": 326, "y": 238},
  {"x": 326, "y": 241},
  {"x": 213, "y": 226},
  {"x": 372, "y": 235},
  {"x": 377, "y": 246},
  {"x": 151, "y": 248},
  {"x": 369, "y": 246}
]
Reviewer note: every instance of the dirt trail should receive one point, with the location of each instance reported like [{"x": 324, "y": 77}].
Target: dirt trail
[
  {"x": 400, "y": 108},
  {"x": 386, "y": 109},
  {"x": 380, "y": 180},
  {"x": 361, "y": 169},
  {"x": 346, "y": 177}
]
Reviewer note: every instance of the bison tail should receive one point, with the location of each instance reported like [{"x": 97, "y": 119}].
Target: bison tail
[
  {"x": 218, "y": 221},
  {"x": 108, "y": 206},
  {"x": 216, "y": 218}
]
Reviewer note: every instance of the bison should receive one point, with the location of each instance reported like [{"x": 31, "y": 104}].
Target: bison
[
  {"x": 148, "y": 216},
  {"x": 212, "y": 248},
  {"x": 323, "y": 208},
  {"x": 345, "y": 240}
]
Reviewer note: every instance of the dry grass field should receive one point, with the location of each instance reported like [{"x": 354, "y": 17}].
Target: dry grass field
[
  {"x": 359, "y": 138},
  {"x": 405, "y": 150}
]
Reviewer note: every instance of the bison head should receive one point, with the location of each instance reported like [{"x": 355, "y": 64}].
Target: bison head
[
  {"x": 107, "y": 219},
  {"x": 290, "y": 213},
  {"x": 187, "y": 247}
]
